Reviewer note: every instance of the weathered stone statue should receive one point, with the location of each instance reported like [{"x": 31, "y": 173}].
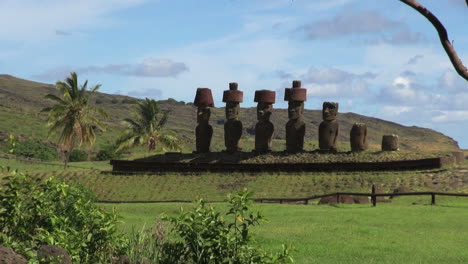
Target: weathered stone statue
[
  {"x": 232, "y": 127},
  {"x": 295, "y": 127},
  {"x": 358, "y": 137},
  {"x": 264, "y": 128},
  {"x": 390, "y": 143},
  {"x": 204, "y": 131},
  {"x": 329, "y": 128}
]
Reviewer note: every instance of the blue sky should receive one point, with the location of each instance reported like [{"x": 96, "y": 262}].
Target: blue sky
[{"x": 376, "y": 58}]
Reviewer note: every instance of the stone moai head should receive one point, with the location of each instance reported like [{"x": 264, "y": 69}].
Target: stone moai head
[
  {"x": 265, "y": 100},
  {"x": 358, "y": 137},
  {"x": 232, "y": 98},
  {"x": 390, "y": 143},
  {"x": 329, "y": 111},
  {"x": 203, "y": 101},
  {"x": 296, "y": 96}
]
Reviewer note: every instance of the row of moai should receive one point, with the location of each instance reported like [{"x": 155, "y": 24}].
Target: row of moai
[{"x": 295, "y": 127}]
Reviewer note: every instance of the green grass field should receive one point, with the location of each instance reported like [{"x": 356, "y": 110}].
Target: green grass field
[{"x": 408, "y": 230}]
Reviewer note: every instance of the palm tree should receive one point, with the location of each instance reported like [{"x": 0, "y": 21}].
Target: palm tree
[
  {"x": 147, "y": 128},
  {"x": 72, "y": 118}
]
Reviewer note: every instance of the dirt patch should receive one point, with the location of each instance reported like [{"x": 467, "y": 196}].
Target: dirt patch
[{"x": 345, "y": 199}]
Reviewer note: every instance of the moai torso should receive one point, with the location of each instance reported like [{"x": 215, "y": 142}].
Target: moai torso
[
  {"x": 295, "y": 127},
  {"x": 329, "y": 128},
  {"x": 295, "y": 132},
  {"x": 232, "y": 135},
  {"x": 232, "y": 127},
  {"x": 328, "y": 133},
  {"x": 203, "y": 131},
  {"x": 263, "y": 134},
  {"x": 264, "y": 128},
  {"x": 358, "y": 137}
]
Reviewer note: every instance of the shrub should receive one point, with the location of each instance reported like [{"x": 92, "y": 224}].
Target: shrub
[
  {"x": 205, "y": 237},
  {"x": 114, "y": 101},
  {"x": 55, "y": 213},
  {"x": 107, "y": 153},
  {"x": 35, "y": 149},
  {"x": 129, "y": 101},
  {"x": 78, "y": 155}
]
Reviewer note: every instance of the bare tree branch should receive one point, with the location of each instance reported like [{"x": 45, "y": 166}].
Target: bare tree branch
[{"x": 452, "y": 54}]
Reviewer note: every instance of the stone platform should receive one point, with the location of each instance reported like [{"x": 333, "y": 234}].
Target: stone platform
[{"x": 274, "y": 162}]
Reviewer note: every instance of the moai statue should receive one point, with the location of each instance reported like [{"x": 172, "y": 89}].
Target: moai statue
[
  {"x": 358, "y": 137},
  {"x": 204, "y": 131},
  {"x": 328, "y": 129},
  {"x": 295, "y": 127},
  {"x": 232, "y": 127},
  {"x": 390, "y": 143},
  {"x": 264, "y": 128}
]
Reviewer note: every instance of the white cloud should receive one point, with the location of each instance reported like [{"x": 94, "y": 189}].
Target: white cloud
[
  {"x": 322, "y": 5},
  {"x": 451, "y": 116},
  {"x": 393, "y": 110},
  {"x": 32, "y": 20},
  {"x": 349, "y": 22},
  {"x": 213, "y": 64},
  {"x": 332, "y": 82},
  {"x": 149, "y": 67},
  {"x": 451, "y": 81},
  {"x": 415, "y": 59},
  {"x": 333, "y": 90}
]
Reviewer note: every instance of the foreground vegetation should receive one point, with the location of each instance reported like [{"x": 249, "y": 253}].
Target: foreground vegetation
[
  {"x": 408, "y": 230},
  {"x": 34, "y": 214}
]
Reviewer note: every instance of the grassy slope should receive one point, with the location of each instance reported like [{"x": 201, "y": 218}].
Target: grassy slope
[
  {"x": 215, "y": 186},
  {"x": 21, "y": 101},
  {"x": 400, "y": 232}
]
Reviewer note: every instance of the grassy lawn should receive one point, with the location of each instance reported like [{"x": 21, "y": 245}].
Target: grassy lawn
[{"x": 407, "y": 230}]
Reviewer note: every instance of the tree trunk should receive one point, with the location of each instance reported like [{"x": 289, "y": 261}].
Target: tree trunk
[
  {"x": 67, "y": 156},
  {"x": 444, "y": 40}
]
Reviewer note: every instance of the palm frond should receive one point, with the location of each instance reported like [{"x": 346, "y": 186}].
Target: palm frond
[
  {"x": 55, "y": 98},
  {"x": 170, "y": 141}
]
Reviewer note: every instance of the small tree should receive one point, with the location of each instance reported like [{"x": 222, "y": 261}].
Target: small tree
[
  {"x": 148, "y": 128},
  {"x": 72, "y": 118}
]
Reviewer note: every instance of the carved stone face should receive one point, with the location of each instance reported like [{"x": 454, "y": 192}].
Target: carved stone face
[
  {"x": 329, "y": 111},
  {"x": 203, "y": 114},
  {"x": 295, "y": 109},
  {"x": 232, "y": 110},
  {"x": 264, "y": 111}
]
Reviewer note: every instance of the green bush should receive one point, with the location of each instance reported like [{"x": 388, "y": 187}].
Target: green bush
[
  {"x": 104, "y": 154},
  {"x": 34, "y": 213},
  {"x": 78, "y": 155},
  {"x": 108, "y": 153},
  {"x": 129, "y": 101},
  {"x": 35, "y": 149},
  {"x": 204, "y": 236}
]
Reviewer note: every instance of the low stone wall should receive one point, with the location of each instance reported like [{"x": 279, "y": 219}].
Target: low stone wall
[{"x": 127, "y": 166}]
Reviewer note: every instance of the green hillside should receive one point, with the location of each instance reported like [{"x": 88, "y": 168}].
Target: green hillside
[{"x": 21, "y": 100}]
